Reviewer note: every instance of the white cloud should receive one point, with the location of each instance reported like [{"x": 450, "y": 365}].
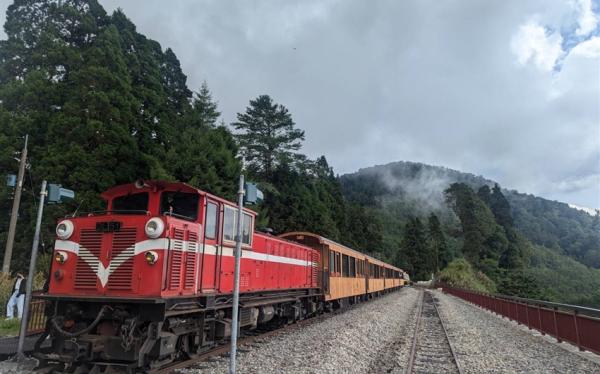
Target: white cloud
[
  {"x": 587, "y": 19},
  {"x": 535, "y": 43},
  {"x": 589, "y": 48}
]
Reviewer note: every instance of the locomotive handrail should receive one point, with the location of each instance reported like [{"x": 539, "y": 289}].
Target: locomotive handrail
[
  {"x": 126, "y": 211},
  {"x": 178, "y": 216}
]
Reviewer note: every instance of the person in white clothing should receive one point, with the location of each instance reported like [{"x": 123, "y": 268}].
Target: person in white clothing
[{"x": 17, "y": 298}]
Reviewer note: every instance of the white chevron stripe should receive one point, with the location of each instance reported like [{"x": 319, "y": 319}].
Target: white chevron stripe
[{"x": 104, "y": 273}]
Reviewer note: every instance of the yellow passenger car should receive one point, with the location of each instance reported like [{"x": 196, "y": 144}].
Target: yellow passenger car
[{"x": 348, "y": 276}]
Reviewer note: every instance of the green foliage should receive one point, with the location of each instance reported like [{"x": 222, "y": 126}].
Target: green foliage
[
  {"x": 484, "y": 238},
  {"x": 436, "y": 240},
  {"x": 522, "y": 284},
  {"x": 557, "y": 226},
  {"x": 563, "y": 279},
  {"x": 460, "y": 273},
  {"x": 103, "y": 105},
  {"x": 268, "y": 137}
]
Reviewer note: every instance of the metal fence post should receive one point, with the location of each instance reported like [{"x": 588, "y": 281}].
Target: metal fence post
[
  {"x": 577, "y": 331},
  {"x": 556, "y": 325},
  {"x": 236, "y": 284},
  {"x": 34, "y": 252}
]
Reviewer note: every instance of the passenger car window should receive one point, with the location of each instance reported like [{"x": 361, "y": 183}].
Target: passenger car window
[
  {"x": 344, "y": 265},
  {"x": 210, "y": 226},
  {"x": 131, "y": 204},
  {"x": 331, "y": 262}
]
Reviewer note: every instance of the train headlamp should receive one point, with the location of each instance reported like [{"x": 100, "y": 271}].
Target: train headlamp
[
  {"x": 65, "y": 229},
  {"x": 154, "y": 227},
  {"x": 61, "y": 257},
  {"x": 151, "y": 257}
]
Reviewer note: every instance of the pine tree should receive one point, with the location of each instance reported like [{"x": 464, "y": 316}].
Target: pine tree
[
  {"x": 500, "y": 207},
  {"x": 415, "y": 251},
  {"x": 268, "y": 136},
  {"x": 437, "y": 242},
  {"x": 205, "y": 107},
  {"x": 483, "y": 237}
]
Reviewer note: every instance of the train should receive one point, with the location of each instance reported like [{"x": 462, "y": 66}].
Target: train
[{"x": 149, "y": 281}]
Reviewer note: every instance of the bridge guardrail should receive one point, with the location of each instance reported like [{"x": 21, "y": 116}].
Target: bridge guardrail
[{"x": 575, "y": 324}]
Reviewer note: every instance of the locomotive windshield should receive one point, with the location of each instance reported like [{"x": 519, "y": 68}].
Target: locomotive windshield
[
  {"x": 180, "y": 204},
  {"x": 131, "y": 204}
]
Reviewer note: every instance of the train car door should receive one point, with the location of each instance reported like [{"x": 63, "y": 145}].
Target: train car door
[
  {"x": 367, "y": 273},
  {"x": 210, "y": 247}
]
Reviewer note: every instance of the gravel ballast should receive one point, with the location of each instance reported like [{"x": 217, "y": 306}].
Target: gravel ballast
[
  {"x": 354, "y": 341},
  {"x": 485, "y": 342}
]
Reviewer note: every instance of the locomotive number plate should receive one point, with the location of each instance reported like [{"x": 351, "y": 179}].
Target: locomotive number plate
[{"x": 108, "y": 226}]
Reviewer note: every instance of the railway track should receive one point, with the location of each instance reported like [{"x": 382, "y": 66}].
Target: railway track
[
  {"x": 431, "y": 350},
  {"x": 245, "y": 340}
]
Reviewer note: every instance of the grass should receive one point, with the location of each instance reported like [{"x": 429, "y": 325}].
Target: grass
[{"x": 9, "y": 327}]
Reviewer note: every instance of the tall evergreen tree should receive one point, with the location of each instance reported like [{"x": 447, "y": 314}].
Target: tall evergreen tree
[
  {"x": 500, "y": 207},
  {"x": 484, "y": 238},
  {"x": 103, "y": 105},
  {"x": 267, "y": 136},
  {"x": 437, "y": 242},
  {"x": 415, "y": 251}
]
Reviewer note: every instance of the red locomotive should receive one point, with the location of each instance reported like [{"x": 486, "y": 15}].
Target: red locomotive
[{"x": 149, "y": 280}]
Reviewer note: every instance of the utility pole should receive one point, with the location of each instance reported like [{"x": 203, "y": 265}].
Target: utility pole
[
  {"x": 236, "y": 281},
  {"x": 34, "y": 252},
  {"x": 15, "y": 210}
]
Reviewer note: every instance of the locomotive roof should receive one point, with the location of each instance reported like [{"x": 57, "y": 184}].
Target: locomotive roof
[
  {"x": 324, "y": 240},
  {"x": 159, "y": 185}
]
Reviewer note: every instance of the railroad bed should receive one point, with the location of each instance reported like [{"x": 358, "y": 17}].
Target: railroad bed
[
  {"x": 379, "y": 337},
  {"x": 410, "y": 331}
]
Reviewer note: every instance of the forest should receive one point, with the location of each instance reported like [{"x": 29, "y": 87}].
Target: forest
[{"x": 104, "y": 105}]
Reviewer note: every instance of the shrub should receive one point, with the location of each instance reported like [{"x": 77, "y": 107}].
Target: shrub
[{"x": 459, "y": 273}]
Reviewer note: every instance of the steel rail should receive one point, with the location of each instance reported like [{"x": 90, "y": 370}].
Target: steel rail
[
  {"x": 413, "y": 352},
  {"x": 413, "y": 349},
  {"x": 460, "y": 371}
]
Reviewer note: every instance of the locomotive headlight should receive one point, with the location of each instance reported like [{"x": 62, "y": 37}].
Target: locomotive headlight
[
  {"x": 64, "y": 229},
  {"x": 151, "y": 257},
  {"x": 154, "y": 227},
  {"x": 61, "y": 257}
]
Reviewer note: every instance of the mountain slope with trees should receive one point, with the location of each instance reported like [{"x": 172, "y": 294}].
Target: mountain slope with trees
[{"x": 501, "y": 233}]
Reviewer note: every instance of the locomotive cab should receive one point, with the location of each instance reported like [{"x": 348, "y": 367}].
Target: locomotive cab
[{"x": 150, "y": 242}]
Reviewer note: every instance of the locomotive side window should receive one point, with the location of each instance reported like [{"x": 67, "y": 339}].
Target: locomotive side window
[
  {"x": 246, "y": 228},
  {"x": 180, "y": 204},
  {"x": 210, "y": 225},
  {"x": 230, "y": 223},
  {"x": 131, "y": 204}
]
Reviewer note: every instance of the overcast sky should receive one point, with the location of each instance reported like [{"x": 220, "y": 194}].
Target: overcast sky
[{"x": 506, "y": 89}]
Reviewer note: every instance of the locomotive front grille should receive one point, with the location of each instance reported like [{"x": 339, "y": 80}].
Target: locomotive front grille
[
  {"x": 190, "y": 261},
  {"x": 87, "y": 260},
  {"x": 176, "y": 255},
  {"x": 121, "y": 264}
]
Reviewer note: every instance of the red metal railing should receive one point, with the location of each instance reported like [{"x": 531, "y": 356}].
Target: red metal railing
[{"x": 574, "y": 324}]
